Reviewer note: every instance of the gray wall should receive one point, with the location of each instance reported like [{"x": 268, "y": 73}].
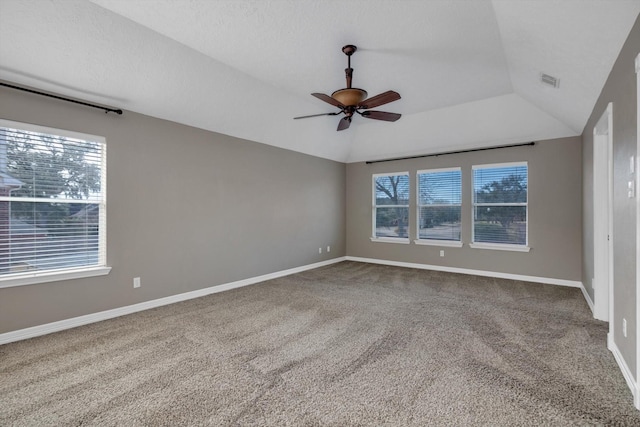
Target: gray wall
[
  {"x": 621, "y": 89},
  {"x": 555, "y": 202},
  {"x": 187, "y": 209}
]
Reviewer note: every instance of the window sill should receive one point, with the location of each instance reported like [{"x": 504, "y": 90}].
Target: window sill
[
  {"x": 52, "y": 276},
  {"x": 398, "y": 240},
  {"x": 448, "y": 243},
  {"x": 500, "y": 247}
]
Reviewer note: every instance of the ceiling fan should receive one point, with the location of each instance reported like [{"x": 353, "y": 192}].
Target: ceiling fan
[{"x": 352, "y": 100}]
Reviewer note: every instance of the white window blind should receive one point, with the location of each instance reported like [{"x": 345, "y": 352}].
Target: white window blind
[
  {"x": 52, "y": 200},
  {"x": 439, "y": 204},
  {"x": 500, "y": 204},
  {"x": 391, "y": 205}
]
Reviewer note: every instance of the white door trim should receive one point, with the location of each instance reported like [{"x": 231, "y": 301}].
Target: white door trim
[
  {"x": 636, "y": 399},
  {"x": 602, "y": 217}
]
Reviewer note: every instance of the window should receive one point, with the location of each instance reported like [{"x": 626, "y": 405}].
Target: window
[
  {"x": 391, "y": 207},
  {"x": 500, "y": 206},
  {"x": 439, "y": 198},
  {"x": 52, "y": 203}
]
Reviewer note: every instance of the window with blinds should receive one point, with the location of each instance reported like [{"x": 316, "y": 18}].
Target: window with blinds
[
  {"x": 439, "y": 204},
  {"x": 391, "y": 205},
  {"x": 52, "y": 200},
  {"x": 500, "y": 204}
]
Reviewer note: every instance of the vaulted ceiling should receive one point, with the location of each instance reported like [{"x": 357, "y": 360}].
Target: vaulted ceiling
[{"x": 468, "y": 71}]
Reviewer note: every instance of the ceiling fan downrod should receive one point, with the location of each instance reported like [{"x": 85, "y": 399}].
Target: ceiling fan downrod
[
  {"x": 349, "y": 96},
  {"x": 349, "y": 50}
]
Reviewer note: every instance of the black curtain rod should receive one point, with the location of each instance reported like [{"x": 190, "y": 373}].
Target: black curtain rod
[
  {"x": 450, "y": 152},
  {"x": 106, "y": 109}
]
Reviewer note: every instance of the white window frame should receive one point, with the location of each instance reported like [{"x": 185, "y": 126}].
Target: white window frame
[
  {"x": 436, "y": 242},
  {"x": 374, "y": 238},
  {"x": 498, "y": 246},
  {"x": 100, "y": 269}
]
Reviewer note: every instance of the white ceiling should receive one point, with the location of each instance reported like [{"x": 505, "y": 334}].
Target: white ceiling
[{"x": 468, "y": 71}]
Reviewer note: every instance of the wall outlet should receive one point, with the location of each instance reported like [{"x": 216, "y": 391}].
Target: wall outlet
[
  {"x": 319, "y": 250},
  {"x": 328, "y": 248},
  {"x": 442, "y": 253},
  {"x": 624, "y": 327},
  {"x": 136, "y": 282}
]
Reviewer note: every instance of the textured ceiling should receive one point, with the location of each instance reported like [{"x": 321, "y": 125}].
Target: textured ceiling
[{"x": 468, "y": 71}]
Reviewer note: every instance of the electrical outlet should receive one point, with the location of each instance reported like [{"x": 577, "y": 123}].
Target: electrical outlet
[
  {"x": 136, "y": 282},
  {"x": 319, "y": 250},
  {"x": 328, "y": 248},
  {"x": 442, "y": 253},
  {"x": 624, "y": 327}
]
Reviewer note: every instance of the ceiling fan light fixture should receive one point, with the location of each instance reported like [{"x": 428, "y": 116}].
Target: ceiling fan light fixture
[{"x": 349, "y": 96}]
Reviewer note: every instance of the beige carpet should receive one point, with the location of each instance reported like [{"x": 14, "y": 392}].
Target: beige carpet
[{"x": 348, "y": 344}]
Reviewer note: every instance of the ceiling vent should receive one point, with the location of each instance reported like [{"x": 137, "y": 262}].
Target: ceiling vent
[{"x": 549, "y": 80}]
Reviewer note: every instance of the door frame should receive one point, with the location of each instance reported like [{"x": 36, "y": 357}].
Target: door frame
[
  {"x": 603, "y": 217},
  {"x": 636, "y": 399}
]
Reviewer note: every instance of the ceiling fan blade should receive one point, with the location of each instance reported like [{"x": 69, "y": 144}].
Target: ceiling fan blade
[
  {"x": 344, "y": 123},
  {"x": 318, "y": 115},
  {"x": 328, "y": 99},
  {"x": 381, "y": 99},
  {"x": 381, "y": 115}
]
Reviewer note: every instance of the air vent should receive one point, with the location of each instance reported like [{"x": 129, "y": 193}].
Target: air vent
[{"x": 549, "y": 80}]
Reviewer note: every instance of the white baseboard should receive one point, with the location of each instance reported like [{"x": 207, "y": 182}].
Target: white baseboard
[
  {"x": 536, "y": 279},
  {"x": 34, "y": 331},
  {"x": 587, "y": 297},
  {"x": 626, "y": 372}
]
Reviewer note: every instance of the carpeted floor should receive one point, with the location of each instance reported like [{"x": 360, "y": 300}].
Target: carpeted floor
[{"x": 348, "y": 344}]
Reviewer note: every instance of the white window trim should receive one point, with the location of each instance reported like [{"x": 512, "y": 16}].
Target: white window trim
[
  {"x": 498, "y": 246},
  {"x": 435, "y": 242},
  {"x": 32, "y": 278},
  {"x": 436, "y": 170},
  {"x": 498, "y": 165},
  {"x": 400, "y": 240},
  {"x": 47, "y": 129},
  {"x": 432, "y": 242},
  {"x": 52, "y": 276}
]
